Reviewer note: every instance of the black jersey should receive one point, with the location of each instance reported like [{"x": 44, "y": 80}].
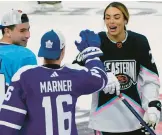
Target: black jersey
[
  {"x": 132, "y": 63},
  {"x": 125, "y": 60}
]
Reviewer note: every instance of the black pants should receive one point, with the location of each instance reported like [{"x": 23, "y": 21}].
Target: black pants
[{"x": 136, "y": 132}]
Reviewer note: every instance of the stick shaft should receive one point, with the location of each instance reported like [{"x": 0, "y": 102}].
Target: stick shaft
[{"x": 137, "y": 115}]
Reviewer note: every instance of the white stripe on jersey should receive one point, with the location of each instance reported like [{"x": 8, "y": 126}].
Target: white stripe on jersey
[
  {"x": 96, "y": 58},
  {"x": 8, "y": 124},
  {"x": 17, "y": 75},
  {"x": 15, "y": 109}
]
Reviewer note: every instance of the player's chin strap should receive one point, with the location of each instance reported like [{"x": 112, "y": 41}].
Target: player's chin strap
[{"x": 143, "y": 123}]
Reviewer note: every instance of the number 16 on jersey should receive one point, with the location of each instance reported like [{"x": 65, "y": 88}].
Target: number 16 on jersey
[{"x": 61, "y": 115}]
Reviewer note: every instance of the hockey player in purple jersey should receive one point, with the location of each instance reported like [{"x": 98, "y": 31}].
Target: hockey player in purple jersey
[{"x": 41, "y": 99}]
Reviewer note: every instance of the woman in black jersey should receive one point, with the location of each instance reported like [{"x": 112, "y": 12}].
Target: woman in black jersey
[{"x": 128, "y": 56}]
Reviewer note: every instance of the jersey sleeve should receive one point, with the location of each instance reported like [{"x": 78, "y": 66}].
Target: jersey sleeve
[
  {"x": 92, "y": 79},
  {"x": 148, "y": 79},
  {"x": 13, "y": 110}
]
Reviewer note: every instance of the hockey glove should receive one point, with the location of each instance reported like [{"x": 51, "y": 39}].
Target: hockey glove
[
  {"x": 78, "y": 60},
  {"x": 113, "y": 85},
  {"x": 89, "y": 45},
  {"x": 152, "y": 114}
]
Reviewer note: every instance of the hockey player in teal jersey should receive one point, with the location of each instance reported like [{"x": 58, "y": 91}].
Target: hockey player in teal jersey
[{"x": 13, "y": 54}]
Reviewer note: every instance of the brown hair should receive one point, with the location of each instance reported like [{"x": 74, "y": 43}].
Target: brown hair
[{"x": 121, "y": 7}]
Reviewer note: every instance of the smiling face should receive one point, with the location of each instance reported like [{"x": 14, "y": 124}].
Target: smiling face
[
  {"x": 115, "y": 21},
  {"x": 20, "y": 34}
]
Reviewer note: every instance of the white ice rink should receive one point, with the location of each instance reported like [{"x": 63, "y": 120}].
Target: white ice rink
[{"x": 146, "y": 18}]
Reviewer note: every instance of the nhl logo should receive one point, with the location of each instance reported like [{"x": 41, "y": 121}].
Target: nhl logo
[{"x": 119, "y": 44}]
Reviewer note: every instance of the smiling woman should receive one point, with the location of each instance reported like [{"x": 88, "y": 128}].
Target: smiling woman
[
  {"x": 115, "y": 20},
  {"x": 127, "y": 55}
]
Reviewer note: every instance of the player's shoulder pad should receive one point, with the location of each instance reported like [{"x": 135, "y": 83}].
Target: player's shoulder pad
[
  {"x": 23, "y": 69},
  {"x": 138, "y": 36},
  {"x": 76, "y": 67},
  {"x": 102, "y": 34},
  {"x": 25, "y": 51},
  {"x": 140, "y": 40}
]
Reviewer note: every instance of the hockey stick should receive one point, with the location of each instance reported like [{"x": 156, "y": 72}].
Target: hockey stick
[{"x": 137, "y": 115}]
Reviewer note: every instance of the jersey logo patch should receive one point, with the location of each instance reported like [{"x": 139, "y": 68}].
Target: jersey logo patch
[
  {"x": 119, "y": 45},
  {"x": 124, "y": 70},
  {"x": 49, "y": 44},
  {"x": 54, "y": 74}
]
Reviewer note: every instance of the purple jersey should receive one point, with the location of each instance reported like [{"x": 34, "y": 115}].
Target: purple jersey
[{"x": 41, "y": 100}]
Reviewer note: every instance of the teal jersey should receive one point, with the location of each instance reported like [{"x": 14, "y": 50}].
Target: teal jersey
[{"x": 13, "y": 57}]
